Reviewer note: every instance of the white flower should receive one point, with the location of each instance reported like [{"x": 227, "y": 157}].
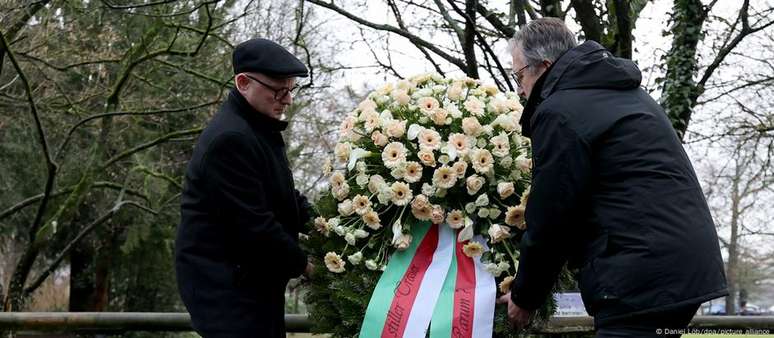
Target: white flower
[
  {"x": 523, "y": 163},
  {"x": 440, "y": 117},
  {"x": 403, "y": 242},
  {"x": 393, "y": 154},
  {"x": 443, "y": 159},
  {"x": 492, "y": 268},
  {"x": 471, "y": 126},
  {"x": 428, "y": 104},
  {"x": 397, "y": 230},
  {"x": 367, "y": 106},
  {"x": 427, "y": 157},
  {"x": 460, "y": 143},
  {"x": 342, "y": 151},
  {"x": 361, "y": 204},
  {"x": 454, "y": 92},
  {"x": 401, "y": 193},
  {"x": 483, "y": 213},
  {"x": 514, "y": 216},
  {"x": 361, "y": 180},
  {"x": 322, "y": 226},
  {"x": 453, "y": 110},
  {"x": 473, "y": 249},
  {"x": 505, "y": 189},
  {"x": 370, "y": 264},
  {"x": 346, "y": 208},
  {"x": 337, "y": 180},
  {"x": 347, "y": 126},
  {"x": 385, "y": 194},
  {"x": 355, "y": 258},
  {"x": 489, "y": 89},
  {"x": 474, "y": 106},
  {"x": 350, "y": 238},
  {"x": 398, "y": 171},
  {"x": 444, "y": 177},
  {"x": 470, "y": 207},
  {"x": 482, "y": 200},
  {"x": 506, "y": 162},
  {"x": 357, "y": 154},
  {"x": 401, "y": 96},
  {"x": 494, "y": 213},
  {"x": 370, "y": 120},
  {"x": 413, "y": 172},
  {"x": 460, "y": 167},
  {"x": 341, "y": 192},
  {"x": 327, "y": 167},
  {"x": 482, "y": 160},
  {"x": 379, "y": 139},
  {"x": 437, "y": 215},
  {"x": 395, "y": 128},
  {"x": 474, "y": 183},
  {"x": 500, "y": 144},
  {"x": 508, "y": 122},
  {"x": 429, "y": 139},
  {"x": 498, "y": 233},
  {"x": 334, "y": 263},
  {"x": 340, "y": 230},
  {"x": 413, "y": 131},
  {"x": 427, "y": 189},
  {"x": 455, "y": 219},
  {"x": 525, "y": 196},
  {"x": 360, "y": 233},
  {"x": 371, "y": 219},
  {"x": 374, "y": 183}
]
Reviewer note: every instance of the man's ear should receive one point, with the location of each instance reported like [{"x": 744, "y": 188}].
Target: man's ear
[{"x": 241, "y": 82}]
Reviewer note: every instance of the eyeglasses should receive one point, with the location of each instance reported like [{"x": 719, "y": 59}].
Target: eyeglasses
[
  {"x": 517, "y": 75},
  {"x": 279, "y": 93}
]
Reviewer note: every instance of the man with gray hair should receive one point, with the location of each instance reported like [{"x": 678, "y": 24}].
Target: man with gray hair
[{"x": 613, "y": 192}]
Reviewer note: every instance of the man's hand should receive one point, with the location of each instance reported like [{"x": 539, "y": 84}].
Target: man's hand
[{"x": 518, "y": 317}]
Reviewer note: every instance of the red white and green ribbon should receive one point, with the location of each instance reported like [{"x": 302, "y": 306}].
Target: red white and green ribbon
[{"x": 431, "y": 280}]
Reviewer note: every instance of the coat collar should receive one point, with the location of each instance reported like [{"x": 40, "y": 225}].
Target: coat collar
[{"x": 255, "y": 118}]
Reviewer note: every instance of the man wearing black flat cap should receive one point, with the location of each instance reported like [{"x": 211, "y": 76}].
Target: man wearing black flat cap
[{"x": 237, "y": 244}]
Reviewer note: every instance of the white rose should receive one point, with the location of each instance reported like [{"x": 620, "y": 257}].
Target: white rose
[
  {"x": 474, "y": 184},
  {"x": 346, "y": 208},
  {"x": 505, "y": 189},
  {"x": 498, "y": 233},
  {"x": 471, "y": 126}
]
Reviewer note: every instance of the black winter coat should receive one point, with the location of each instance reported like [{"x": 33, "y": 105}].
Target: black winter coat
[
  {"x": 613, "y": 193},
  {"x": 237, "y": 244}
]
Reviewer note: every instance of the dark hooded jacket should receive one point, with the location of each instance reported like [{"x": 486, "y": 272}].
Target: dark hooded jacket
[
  {"x": 613, "y": 193},
  {"x": 237, "y": 244}
]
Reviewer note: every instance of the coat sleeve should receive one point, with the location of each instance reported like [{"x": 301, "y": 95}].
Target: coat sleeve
[
  {"x": 304, "y": 208},
  {"x": 229, "y": 166},
  {"x": 562, "y": 167}
]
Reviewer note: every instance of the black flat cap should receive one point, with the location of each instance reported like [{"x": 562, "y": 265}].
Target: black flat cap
[{"x": 267, "y": 57}]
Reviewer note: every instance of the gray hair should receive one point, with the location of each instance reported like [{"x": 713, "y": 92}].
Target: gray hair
[{"x": 543, "y": 39}]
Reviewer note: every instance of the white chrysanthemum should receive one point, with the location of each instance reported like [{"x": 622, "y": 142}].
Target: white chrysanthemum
[
  {"x": 371, "y": 121},
  {"x": 341, "y": 192},
  {"x": 509, "y": 122},
  {"x": 471, "y": 126},
  {"x": 514, "y": 216},
  {"x": 361, "y": 204},
  {"x": 428, "y": 104},
  {"x": 474, "y": 106},
  {"x": 370, "y": 264},
  {"x": 473, "y": 249},
  {"x": 444, "y": 177},
  {"x": 394, "y": 153},
  {"x": 505, "y": 189},
  {"x": 429, "y": 139},
  {"x": 355, "y": 258},
  {"x": 334, "y": 263},
  {"x": 413, "y": 172},
  {"x": 498, "y": 105},
  {"x": 482, "y": 160},
  {"x": 401, "y": 193},
  {"x": 498, "y": 233},
  {"x": 455, "y": 219},
  {"x": 371, "y": 219},
  {"x": 501, "y": 147}
]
